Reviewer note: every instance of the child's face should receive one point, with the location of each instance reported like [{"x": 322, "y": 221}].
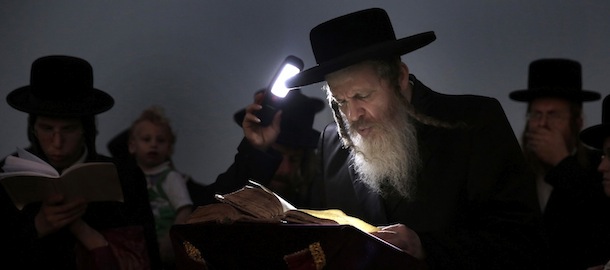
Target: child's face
[{"x": 150, "y": 144}]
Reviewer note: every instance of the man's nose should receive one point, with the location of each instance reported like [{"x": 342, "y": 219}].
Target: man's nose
[
  {"x": 354, "y": 111},
  {"x": 57, "y": 138}
]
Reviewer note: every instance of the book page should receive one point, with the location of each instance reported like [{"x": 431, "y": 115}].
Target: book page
[
  {"x": 20, "y": 165},
  {"x": 285, "y": 204},
  {"x": 341, "y": 218}
]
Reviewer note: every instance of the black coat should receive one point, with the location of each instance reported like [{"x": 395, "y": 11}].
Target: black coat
[
  {"x": 577, "y": 214},
  {"x": 475, "y": 206}
]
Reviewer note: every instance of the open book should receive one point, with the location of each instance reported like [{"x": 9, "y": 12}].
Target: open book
[
  {"x": 29, "y": 179},
  {"x": 256, "y": 203}
]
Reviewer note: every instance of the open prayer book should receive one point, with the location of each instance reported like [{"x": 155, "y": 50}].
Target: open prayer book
[
  {"x": 27, "y": 179},
  {"x": 256, "y": 203}
]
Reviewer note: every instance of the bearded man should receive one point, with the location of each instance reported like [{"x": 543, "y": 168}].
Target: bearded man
[{"x": 443, "y": 175}]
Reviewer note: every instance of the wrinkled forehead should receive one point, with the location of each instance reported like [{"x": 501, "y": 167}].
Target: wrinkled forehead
[{"x": 353, "y": 81}]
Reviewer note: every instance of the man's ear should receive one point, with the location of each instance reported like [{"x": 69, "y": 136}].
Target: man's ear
[{"x": 404, "y": 82}]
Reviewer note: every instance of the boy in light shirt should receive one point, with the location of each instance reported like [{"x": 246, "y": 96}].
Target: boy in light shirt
[{"x": 151, "y": 142}]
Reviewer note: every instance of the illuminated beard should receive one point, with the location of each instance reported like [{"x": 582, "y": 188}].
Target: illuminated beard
[{"x": 389, "y": 158}]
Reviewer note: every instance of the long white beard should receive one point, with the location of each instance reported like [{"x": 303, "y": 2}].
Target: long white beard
[{"x": 390, "y": 158}]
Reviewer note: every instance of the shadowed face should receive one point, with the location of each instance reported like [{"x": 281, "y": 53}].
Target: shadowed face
[
  {"x": 150, "y": 144},
  {"x": 61, "y": 139},
  {"x": 552, "y": 114}
]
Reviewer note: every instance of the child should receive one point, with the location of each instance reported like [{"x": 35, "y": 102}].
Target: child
[{"x": 151, "y": 142}]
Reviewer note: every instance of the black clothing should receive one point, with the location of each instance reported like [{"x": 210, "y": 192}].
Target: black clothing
[
  {"x": 475, "y": 205},
  {"x": 22, "y": 246}
]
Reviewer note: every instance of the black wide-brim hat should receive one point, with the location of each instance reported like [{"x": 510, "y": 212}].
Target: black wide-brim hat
[
  {"x": 594, "y": 136},
  {"x": 296, "y": 126},
  {"x": 60, "y": 86},
  {"x": 555, "y": 77},
  {"x": 353, "y": 38}
]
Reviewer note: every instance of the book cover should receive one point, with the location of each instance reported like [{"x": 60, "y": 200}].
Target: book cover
[
  {"x": 252, "y": 245},
  {"x": 254, "y": 228}
]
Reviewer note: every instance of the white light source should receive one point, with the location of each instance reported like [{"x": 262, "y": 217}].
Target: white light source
[{"x": 279, "y": 88}]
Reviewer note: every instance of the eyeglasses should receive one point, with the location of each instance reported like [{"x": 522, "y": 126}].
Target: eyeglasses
[
  {"x": 551, "y": 118},
  {"x": 65, "y": 132}
]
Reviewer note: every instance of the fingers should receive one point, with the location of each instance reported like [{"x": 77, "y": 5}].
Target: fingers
[
  {"x": 260, "y": 137},
  {"x": 56, "y": 212},
  {"x": 402, "y": 237},
  {"x": 250, "y": 116},
  {"x": 277, "y": 118},
  {"x": 258, "y": 97}
]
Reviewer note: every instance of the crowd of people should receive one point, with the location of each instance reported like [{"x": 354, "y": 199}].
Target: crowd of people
[{"x": 443, "y": 176}]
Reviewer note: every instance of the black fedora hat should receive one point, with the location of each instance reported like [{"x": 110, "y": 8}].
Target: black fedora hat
[
  {"x": 60, "y": 86},
  {"x": 353, "y": 38},
  {"x": 594, "y": 136},
  {"x": 298, "y": 113},
  {"x": 554, "y": 77}
]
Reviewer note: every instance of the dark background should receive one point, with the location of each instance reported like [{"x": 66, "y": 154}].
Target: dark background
[{"x": 203, "y": 60}]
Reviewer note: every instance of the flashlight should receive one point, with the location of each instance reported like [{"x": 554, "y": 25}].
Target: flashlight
[{"x": 277, "y": 90}]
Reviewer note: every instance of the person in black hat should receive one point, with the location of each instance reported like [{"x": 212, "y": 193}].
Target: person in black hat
[
  {"x": 564, "y": 167},
  {"x": 70, "y": 233},
  {"x": 442, "y": 174},
  {"x": 287, "y": 165},
  {"x": 598, "y": 137}
]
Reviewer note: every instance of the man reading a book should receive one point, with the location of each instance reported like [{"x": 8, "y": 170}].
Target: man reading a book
[
  {"x": 69, "y": 232},
  {"x": 442, "y": 175}
]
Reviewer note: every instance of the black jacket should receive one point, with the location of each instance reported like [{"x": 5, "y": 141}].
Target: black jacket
[{"x": 475, "y": 206}]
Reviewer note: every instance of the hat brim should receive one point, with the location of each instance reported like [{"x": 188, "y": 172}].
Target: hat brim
[
  {"x": 594, "y": 136},
  {"x": 393, "y": 47},
  {"x": 531, "y": 94},
  {"x": 22, "y": 100}
]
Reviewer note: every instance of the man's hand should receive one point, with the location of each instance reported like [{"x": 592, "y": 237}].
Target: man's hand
[
  {"x": 89, "y": 237},
  {"x": 549, "y": 145},
  {"x": 260, "y": 137},
  {"x": 404, "y": 238},
  {"x": 57, "y": 212}
]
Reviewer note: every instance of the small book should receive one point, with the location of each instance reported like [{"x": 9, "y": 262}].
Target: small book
[
  {"x": 256, "y": 203},
  {"x": 28, "y": 179}
]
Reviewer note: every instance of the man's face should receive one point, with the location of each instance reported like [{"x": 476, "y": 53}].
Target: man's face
[
  {"x": 604, "y": 166},
  {"x": 61, "y": 139},
  {"x": 363, "y": 98},
  {"x": 385, "y": 150},
  {"x": 288, "y": 177},
  {"x": 551, "y": 114}
]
